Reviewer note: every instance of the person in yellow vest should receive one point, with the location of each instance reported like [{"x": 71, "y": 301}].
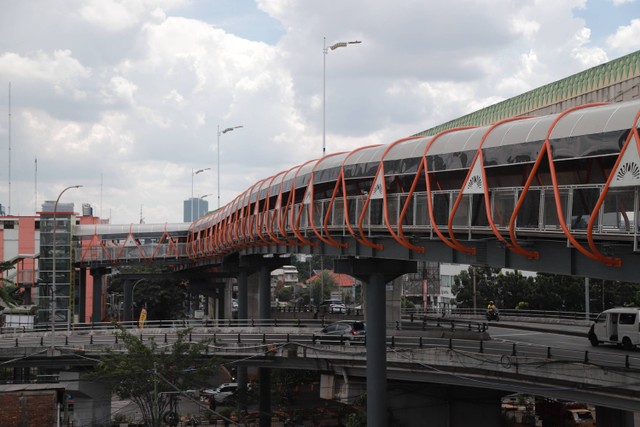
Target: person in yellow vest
[{"x": 143, "y": 317}]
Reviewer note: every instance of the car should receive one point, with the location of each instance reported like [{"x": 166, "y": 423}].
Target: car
[
  {"x": 333, "y": 306},
  {"x": 224, "y": 393},
  {"x": 350, "y": 330}
]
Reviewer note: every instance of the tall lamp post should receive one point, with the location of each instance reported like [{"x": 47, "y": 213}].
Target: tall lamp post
[
  {"x": 325, "y": 51},
  {"x": 218, "y": 153},
  {"x": 194, "y": 173},
  {"x": 199, "y": 199},
  {"x": 53, "y": 271}
]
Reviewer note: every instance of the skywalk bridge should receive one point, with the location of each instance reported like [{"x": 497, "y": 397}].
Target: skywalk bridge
[{"x": 557, "y": 194}]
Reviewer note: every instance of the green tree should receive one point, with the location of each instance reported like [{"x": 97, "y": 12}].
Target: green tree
[
  {"x": 487, "y": 288},
  {"x": 322, "y": 286},
  {"x": 164, "y": 299},
  {"x": 147, "y": 374}
]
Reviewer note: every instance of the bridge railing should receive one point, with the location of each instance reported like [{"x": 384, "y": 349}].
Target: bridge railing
[
  {"x": 417, "y": 313},
  {"x": 616, "y": 220},
  {"x": 539, "y": 214}
]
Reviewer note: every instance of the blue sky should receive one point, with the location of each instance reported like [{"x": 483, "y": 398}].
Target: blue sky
[{"x": 125, "y": 96}]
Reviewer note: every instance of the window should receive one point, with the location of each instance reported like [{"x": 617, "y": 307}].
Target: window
[{"x": 627, "y": 318}]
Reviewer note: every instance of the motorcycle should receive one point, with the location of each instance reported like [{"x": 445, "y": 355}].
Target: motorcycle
[{"x": 492, "y": 314}]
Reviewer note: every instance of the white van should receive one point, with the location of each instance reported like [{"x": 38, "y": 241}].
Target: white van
[{"x": 618, "y": 325}]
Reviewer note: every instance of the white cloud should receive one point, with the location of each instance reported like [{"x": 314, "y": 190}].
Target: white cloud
[
  {"x": 627, "y": 37},
  {"x": 131, "y": 92}
]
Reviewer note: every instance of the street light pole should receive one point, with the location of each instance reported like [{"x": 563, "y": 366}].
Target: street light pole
[
  {"x": 200, "y": 198},
  {"x": 218, "y": 154},
  {"x": 325, "y": 51},
  {"x": 53, "y": 271},
  {"x": 191, "y": 200}
]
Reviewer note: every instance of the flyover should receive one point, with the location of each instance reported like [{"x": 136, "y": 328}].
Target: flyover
[
  {"x": 468, "y": 360},
  {"x": 557, "y": 194}
]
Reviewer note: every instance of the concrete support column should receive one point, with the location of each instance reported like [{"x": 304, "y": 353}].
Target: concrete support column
[
  {"x": 609, "y": 417},
  {"x": 376, "y": 351},
  {"x": 127, "y": 287},
  {"x": 243, "y": 294},
  {"x": 265, "y": 292},
  {"x": 242, "y": 379},
  {"x": 98, "y": 275},
  {"x": 82, "y": 296},
  {"x": 375, "y": 273},
  {"x": 265, "y": 396}
]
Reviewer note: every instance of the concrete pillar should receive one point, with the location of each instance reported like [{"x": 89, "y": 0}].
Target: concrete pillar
[
  {"x": 375, "y": 273},
  {"x": 265, "y": 396},
  {"x": 82, "y": 296},
  {"x": 265, "y": 292},
  {"x": 97, "y": 315},
  {"x": 376, "y": 351},
  {"x": 609, "y": 417},
  {"x": 243, "y": 294},
  {"x": 444, "y": 405},
  {"x": 127, "y": 287}
]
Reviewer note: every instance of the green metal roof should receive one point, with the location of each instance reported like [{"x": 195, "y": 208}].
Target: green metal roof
[{"x": 604, "y": 75}]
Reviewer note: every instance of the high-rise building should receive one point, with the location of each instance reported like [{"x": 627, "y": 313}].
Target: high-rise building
[{"x": 194, "y": 208}]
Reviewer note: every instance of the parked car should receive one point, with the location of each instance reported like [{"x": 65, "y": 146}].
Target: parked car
[
  {"x": 224, "y": 393},
  {"x": 351, "y": 330},
  {"x": 333, "y": 306}
]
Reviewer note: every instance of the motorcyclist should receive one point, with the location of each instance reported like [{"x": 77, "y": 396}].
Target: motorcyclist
[{"x": 492, "y": 311}]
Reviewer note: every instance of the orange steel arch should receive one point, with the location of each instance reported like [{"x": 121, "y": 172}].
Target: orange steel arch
[
  {"x": 260, "y": 222},
  {"x": 295, "y": 219},
  {"x": 238, "y": 228},
  {"x": 283, "y": 208},
  {"x": 135, "y": 241},
  {"x": 329, "y": 240},
  {"x": 385, "y": 207},
  {"x": 170, "y": 241},
  {"x": 487, "y": 200},
  {"x": 272, "y": 218},
  {"x": 546, "y": 150},
  {"x": 98, "y": 242},
  {"x": 341, "y": 180},
  {"x": 452, "y": 244},
  {"x": 633, "y": 133}
]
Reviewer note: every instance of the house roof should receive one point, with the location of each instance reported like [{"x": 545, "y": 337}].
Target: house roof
[{"x": 342, "y": 280}]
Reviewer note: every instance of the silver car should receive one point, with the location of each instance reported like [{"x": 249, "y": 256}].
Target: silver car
[{"x": 350, "y": 330}]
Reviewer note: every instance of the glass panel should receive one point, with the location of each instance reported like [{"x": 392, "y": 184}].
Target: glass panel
[
  {"x": 618, "y": 211},
  {"x": 304, "y": 217},
  {"x": 408, "y": 216},
  {"x": 375, "y": 212},
  {"x": 392, "y": 206},
  {"x": 317, "y": 214},
  {"x": 584, "y": 200},
  {"x": 354, "y": 206},
  {"x": 550, "y": 218},
  {"x": 422, "y": 209},
  {"x": 503, "y": 205},
  {"x": 461, "y": 217},
  {"x": 529, "y": 213},
  {"x": 337, "y": 219},
  {"x": 478, "y": 211},
  {"x": 441, "y": 208}
]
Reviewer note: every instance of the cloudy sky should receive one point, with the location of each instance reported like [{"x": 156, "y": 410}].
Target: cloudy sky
[{"x": 125, "y": 97}]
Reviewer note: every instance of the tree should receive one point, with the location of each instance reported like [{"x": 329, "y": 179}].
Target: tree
[
  {"x": 322, "y": 286},
  {"x": 486, "y": 286},
  {"x": 164, "y": 299},
  {"x": 146, "y": 374}
]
